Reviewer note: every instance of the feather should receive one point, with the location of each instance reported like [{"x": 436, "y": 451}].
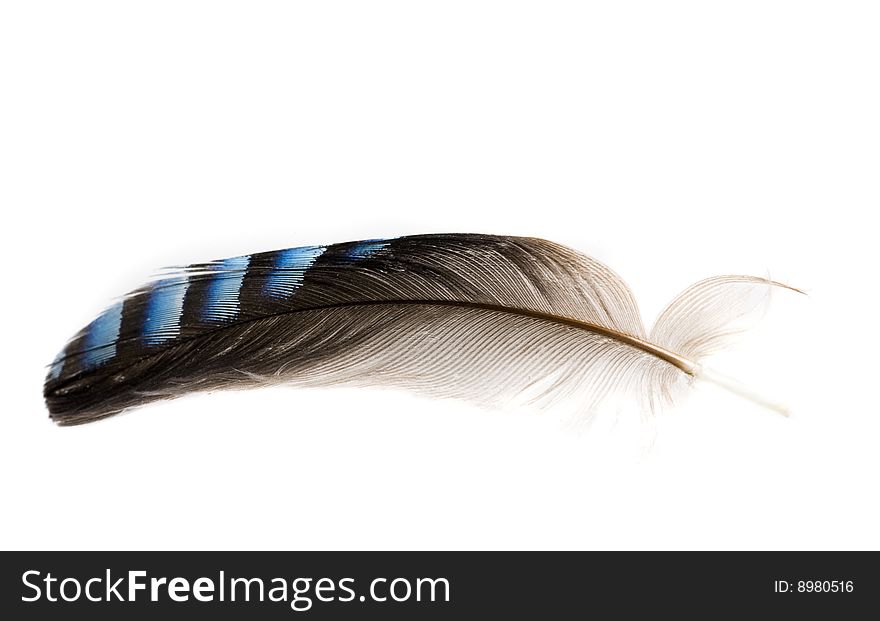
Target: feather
[{"x": 477, "y": 317}]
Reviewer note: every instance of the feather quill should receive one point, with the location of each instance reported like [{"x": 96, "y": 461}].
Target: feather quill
[{"x": 477, "y": 317}]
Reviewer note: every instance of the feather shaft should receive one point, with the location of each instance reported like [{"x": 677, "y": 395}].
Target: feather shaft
[
  {"x": 738, "y": 388},
  {"x": 649, "y": 348}
]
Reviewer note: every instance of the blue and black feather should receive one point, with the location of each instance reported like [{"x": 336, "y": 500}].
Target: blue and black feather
[{"x": 479, "y": 317}]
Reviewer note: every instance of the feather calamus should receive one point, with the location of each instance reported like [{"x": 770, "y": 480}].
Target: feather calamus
[{"x": 479, "y": 317}]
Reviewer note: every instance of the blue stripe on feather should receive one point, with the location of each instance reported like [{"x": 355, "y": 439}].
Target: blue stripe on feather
[
  {"x": 99, "y": 342},
  {"x": 162, "y": 321},
  {"x": 222, "y": 297},
  {"x": 366, "y": 248},
  {"x": 289, "y": 269}
]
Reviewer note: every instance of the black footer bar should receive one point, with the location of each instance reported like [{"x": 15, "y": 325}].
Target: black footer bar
[{"x": 425, "y": 585}]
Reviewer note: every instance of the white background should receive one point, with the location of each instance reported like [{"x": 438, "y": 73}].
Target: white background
[{"x": 672, "y": 140}]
